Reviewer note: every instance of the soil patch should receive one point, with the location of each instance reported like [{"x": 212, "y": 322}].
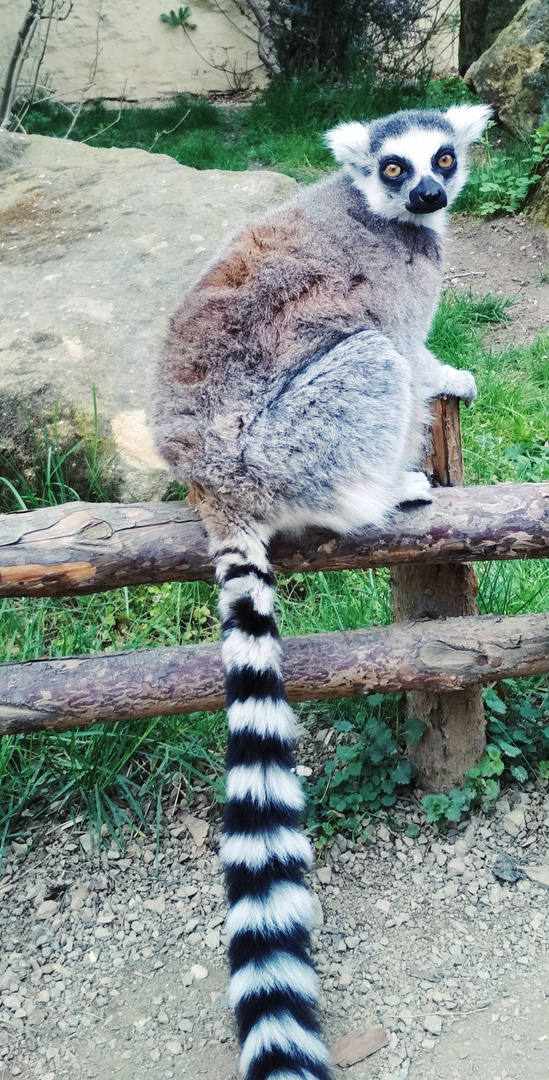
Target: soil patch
[{"x": 505, "y": 257}]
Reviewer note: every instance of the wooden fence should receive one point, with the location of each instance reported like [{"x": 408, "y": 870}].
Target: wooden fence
[{"x": 439, "y": 650}]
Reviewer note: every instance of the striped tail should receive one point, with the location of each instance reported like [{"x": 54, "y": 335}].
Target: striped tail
[{"x": 273, "y": 986}]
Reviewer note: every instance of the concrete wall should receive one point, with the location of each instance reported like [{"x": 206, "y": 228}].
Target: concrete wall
[{"x": 114, "y": 47}]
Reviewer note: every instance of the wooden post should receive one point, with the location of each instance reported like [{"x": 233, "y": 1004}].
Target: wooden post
[{"x": 454, "y": 736}]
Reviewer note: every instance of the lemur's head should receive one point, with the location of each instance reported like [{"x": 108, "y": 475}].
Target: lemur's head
[{"x": 411, "y": 165}]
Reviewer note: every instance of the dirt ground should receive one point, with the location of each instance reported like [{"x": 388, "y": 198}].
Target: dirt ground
[
  {"x": 504, "y": 257},
  {"x": 114, "y": 966}
]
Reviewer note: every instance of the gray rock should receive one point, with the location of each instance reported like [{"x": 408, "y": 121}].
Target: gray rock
[
  {"x": 212, "y": 939},
  {"x": 101, "y": 245},
  {"x": 513, "y": 74},
  {"x": 539, "y": 204},
  {"x": 514, "y": 822},
  {"x": 480, "y": 23},
  {"x": 318, "y": 917},
  {"x": 324, "y": 875},
  {"x": 506, "y": 869},
  {"x": 11, "y": 1001},
  {"x": 539, "y": 875},
  {"x": 433, "y": 1024},
  {"x": 174, "y": 1047},
  {"x": 47, "y": 910},
  {"x": 11, "y": 148},
  {"x": 456, "y": 867}
]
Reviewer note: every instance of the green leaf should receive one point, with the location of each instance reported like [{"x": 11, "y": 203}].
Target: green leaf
[
  {"x": 519, "y": 772},
  {"x": 436, "y": 807},
  {"x": 354, "y": 768},
  {"x": 494, "y": 703},
  {"x": 544, "y": 770},
  {"x": 343, "y": 725},
  {"x": 402, "y": 774},
  {"x": 508, "y": 750},
  {"x": 491, "y": 789},
  {"x": 346, "y": 753},
  {"x": 413, "y": 730},
  {"x": 460, "y": 801}
]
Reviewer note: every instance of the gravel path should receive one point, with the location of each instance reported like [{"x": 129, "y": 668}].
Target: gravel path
[{"x": 115, "y": 967}]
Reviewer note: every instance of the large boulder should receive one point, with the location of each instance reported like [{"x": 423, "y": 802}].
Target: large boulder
[
  {"x": 538, "y": 199},
  {"x": 513, "y": 74},
  {"x": 479, "y": 25},
  {"x": 97, "y": 248}
]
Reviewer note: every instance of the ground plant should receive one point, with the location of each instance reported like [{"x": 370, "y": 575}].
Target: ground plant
[{"x": 504, "y": 175}]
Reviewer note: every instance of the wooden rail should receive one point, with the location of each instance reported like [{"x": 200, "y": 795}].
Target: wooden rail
[
  {"x": 446, "y": 655},
  {"x": 438, "y": 650},
  {"x": 82, "y": 547}
]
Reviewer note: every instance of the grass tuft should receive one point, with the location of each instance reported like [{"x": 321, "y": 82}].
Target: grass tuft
[{"x": 283, "y": 129}]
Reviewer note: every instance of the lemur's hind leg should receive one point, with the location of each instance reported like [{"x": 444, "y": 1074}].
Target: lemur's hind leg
[{"x": 336, "y": 444}]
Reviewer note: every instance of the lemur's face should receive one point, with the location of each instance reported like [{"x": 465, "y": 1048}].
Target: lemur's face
[{"x": 410, "y": 166}]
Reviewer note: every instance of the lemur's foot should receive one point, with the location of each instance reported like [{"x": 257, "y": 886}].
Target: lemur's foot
[{"x": 416, "y": 489}]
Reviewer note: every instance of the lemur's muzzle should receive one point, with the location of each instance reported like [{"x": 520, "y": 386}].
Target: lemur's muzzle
[{"x": 426, "y": 197}]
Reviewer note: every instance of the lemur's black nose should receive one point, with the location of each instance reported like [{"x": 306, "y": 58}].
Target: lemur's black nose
[{"x": 426, "y": 197}]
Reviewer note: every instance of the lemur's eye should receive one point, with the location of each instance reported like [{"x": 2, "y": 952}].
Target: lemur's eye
[
  {"x": 445, "y": 161},
  {"x": 392, "y": 170}
]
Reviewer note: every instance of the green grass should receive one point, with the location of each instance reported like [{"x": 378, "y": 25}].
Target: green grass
[
  {"x": 506, "y": 433},
  {"x": 282, "y": 129},
  {"x": 48, "y": 467}
]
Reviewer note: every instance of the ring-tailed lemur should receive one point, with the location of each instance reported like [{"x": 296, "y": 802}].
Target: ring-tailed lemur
[{"x": 293, "y": 391}]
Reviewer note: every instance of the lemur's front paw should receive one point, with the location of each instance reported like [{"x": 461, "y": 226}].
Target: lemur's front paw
[{"x": 460, "y": 384}]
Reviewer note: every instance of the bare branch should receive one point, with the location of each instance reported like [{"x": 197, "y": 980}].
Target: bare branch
[
  {"x": 35, "y": 15},
  {"x": 24, "y": 37}
]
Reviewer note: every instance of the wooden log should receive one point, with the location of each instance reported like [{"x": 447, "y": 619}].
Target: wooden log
[
  {"x": 90, "y": 547},
  {"x": 454, "y": 736},
  {"x": 438, "y": 655}
]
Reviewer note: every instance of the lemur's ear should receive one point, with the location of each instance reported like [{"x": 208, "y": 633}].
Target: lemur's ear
[
  {"x": 349, "y": 143},
  {"x": 469, "y": 121}
]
